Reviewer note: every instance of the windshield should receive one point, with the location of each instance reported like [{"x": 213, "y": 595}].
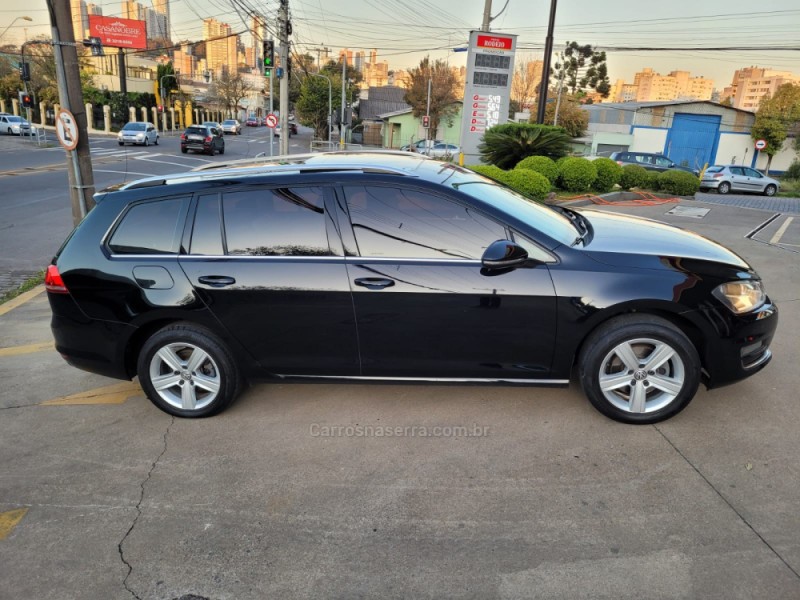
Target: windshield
[
  {"x": 229, "y": 122},
  {"x": 14, "y": 119},
  {"x": 197, "y": 130},
  {"x": 134, "y": 127},
  {"x": 546, "y": 220}
]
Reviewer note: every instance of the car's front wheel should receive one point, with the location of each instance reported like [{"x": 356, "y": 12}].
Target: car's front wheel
[
  {"x": 639, "y": 369},
  {"x": 187, "y": 371},
  {"x": 770, "y": 190},
  {"x": 724, "y": 187}
]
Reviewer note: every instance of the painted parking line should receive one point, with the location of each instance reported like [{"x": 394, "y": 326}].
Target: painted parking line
[
  {"x": 9, "y": 520},
  {"x": 122, "y": 172},
  {"x": 117, "y": 393},
  {"x": 28, "y": 349},
  {"x": 166, "y": 162},
  {"x": 20, "y": 300},
  {"x": 781, "y": 230}
]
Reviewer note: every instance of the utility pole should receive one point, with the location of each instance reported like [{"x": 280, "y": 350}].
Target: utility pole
[
  {"x": 428, "y": 109},
  {"x": 283, "y": 31},
  {"x": 81, "y": 178},
  {"x": 487, "y": 15},
  {"x": 548, "y": 51},
  {"x": 344, "y": 101}
]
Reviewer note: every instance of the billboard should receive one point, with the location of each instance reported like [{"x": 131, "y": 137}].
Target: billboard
[
  {"x": 118, "y": 33},
  {"x": 490, "y": 71}
]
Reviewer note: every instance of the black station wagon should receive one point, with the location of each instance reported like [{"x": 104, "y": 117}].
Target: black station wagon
[{"x": 393, "y": 266}]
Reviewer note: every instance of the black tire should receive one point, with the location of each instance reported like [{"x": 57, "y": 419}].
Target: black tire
[
  {"x": 156, "y": 141},
  {"x": 146, "y": 141},
  {"x": 121, "y": 143},
  {"x": 770, "y": 190},
  {"x": 213, "y": 384},
  {"x": 724, "y": 188},
  {"x": 222, "y": 150},
  {"x": 184, "y": 150},
  {"x": 647, "y": 401},
  {"x": 211, "y": 151}
]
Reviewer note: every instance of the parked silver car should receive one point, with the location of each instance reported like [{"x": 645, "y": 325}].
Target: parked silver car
[
  {"x": 232, "y": 126},
  {"x": 138, "y": 132},
  {"x": 14, "y": 125},
  {"x": 442, "y": 150},
  {"x": 737, "y": 178}
]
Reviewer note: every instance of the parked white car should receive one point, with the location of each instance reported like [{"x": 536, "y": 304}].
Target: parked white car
[
  {"x": 232, "y": 126},
  {"x": 737, "y": 178},
  {"x": 138, "y": 132},
  {"x": 442, "y": 150}
]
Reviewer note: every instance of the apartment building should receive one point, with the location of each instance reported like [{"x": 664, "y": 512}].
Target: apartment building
[
  {"x": 649, "y": 86},
  {"x": 221, "y": 46},
  {"x": 80, "y": 10},
  {"x": 750, "y": 84}
]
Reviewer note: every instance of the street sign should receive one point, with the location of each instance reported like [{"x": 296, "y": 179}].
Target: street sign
[
  {"x": 761, "y": 144},
  {"x": 66, "y": 129},
  {"x": 272, "y": 120}
]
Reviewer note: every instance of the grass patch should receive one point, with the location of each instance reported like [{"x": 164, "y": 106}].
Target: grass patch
[
  {"x": 790, "y": 188},
  {"x": 25, "y": 286}
]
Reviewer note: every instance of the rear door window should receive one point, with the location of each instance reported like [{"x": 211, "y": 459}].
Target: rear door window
[{"x": 276, "y": 222}]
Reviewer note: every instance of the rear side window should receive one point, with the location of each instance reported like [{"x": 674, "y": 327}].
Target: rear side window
[
  {"x": 714, "y": 169},
  {"x": 276, "y": 222},
  {"x": 149, "y": 228}
]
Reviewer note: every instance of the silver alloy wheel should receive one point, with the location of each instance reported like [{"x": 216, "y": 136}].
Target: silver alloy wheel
[
  {"x": 642, "y": 375},
  {"x": 185, "y": 376}
]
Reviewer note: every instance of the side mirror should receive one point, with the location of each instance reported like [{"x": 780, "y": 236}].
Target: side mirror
[{"x": 504, "y": 254}]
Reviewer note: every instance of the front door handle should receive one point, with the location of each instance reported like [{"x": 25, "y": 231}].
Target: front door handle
[
  {"x": 217, "y": 281},
  {"x": 374, "y": 283}
]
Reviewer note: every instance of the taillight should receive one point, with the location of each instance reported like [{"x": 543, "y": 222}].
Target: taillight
[
  {"x": 183, "y": 136},
  {"x": 208, "y": 140},
  {"x": 717, "y": 175},
  {"x": 53, "y": 282},
  {"x": 619, "y": 162}
]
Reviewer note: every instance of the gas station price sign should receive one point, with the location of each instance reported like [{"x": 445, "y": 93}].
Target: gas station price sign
[{"x": 490, "y": 71}]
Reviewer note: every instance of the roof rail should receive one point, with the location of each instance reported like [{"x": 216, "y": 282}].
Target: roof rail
[{"x": 261, "y": 159}]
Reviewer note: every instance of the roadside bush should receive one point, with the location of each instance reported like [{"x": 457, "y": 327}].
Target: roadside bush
[
  {"x": 507, "y": 144},
  {"x": 652, "y": 182},
  {"x": 608, "y": 174},
  {"x": 679, "y": 183},
  {"x": 541, "y": 164},
  {"x": 633, "y": 176},
  {"x": 528, "y": 183},
  {"x": 489, "y": 171},
  {"x": 576, "y": 174},
  {"x": 793, "y": 172}
]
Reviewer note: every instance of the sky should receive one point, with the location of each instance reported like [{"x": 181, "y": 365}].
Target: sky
[{"x": 404, "y": 31}]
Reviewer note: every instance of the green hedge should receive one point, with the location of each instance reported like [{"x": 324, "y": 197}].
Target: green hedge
[
  {"x": 651, "y": 182},
  {"x": 680, "y": 183},
  {"x": 489, "y": 171},
  {"x": 576, "y": 174},
  {"x": 527, "y": 182},
  {"x": 608, "y": 174},
  {"x": 633, "y": 176},
  {"x": 541, "y": 164}
]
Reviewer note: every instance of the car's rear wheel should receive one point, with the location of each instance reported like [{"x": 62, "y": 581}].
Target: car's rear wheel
[
  {"x": 187, "y": 371},
  {"x": 156, "y": 142},
  {"x": 770, "y": 190},
  {"x": 121, "y": 143},
  {"x": 639, "y": 369},
  {"x": 184, "y": 150},
  {"x": 211, "y": 151},
  {"x": 222, "y": 149},
  {"x": 724, "y": 187}
]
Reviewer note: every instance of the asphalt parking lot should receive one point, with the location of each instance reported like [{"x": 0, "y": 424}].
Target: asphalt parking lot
[{"x": 297, "y": 491}]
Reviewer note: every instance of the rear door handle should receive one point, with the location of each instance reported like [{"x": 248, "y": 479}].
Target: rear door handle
[
  {"x": 374, "y": 283},
  {"x": 216, "y": 280}
]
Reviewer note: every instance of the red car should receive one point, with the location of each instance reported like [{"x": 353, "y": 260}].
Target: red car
[{"x": 252, "y": 122}]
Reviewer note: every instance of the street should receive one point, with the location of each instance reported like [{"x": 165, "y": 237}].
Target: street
[{"x": 35, "y": 204}]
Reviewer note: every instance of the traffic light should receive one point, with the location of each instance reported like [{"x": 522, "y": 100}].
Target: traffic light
[
  {"x": 426, "y": 121},
  {"x": 24, "y": 71},
  {"x": 26, "y": 100},
  {"x": 269, "y": 56}
]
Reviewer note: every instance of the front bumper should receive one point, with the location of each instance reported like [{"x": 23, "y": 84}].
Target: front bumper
[{"x": 740, "y": 346}]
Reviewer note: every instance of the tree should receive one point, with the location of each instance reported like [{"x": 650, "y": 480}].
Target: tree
[
  {"x": 444, "y": 92},
  {"x": 582, "y": 68},
  {"x": 777, "y": 116},
  {"x": 229, "y": 90},
  {"x": 312, "y": 104},
  {"x": 170, "y": 83},
  {"x": 526, "y": 82},
  {"x": 570, "y": 115}
]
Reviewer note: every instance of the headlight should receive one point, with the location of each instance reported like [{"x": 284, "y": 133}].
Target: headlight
[
  {"x": 140, "y": 136},
  {"x": 741, "y": 296}
]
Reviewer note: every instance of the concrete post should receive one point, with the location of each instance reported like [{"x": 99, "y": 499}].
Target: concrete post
[
  {"x": 144, "y": 113},
  {"x": 164, "y": 121},
  {"x": 196, "y": 115},
  {"x": 56, "y": 108},
  {"x": 154, "y": 110},
  {"x": 131, "y": 114},
  {"x": 172, "y": 117},
  {"x": 106, "y": 118},
  {"x": 89, "y": 116},
  {"x": 15, "y": 106},
  {"x": 42, "y": 113}
]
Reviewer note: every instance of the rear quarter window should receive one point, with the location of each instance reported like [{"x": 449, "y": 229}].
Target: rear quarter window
[
  {"x": 150, "y": 228},
  {"x": 714, "y": 169}
]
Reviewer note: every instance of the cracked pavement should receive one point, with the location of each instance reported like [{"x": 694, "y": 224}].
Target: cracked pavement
[{"x": 555, "y": 501}]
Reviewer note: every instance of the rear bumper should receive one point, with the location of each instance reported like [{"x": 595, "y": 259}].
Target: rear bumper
[
  {"x": 195, "y": 146},
  {"x": 709, "y": 184}
]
